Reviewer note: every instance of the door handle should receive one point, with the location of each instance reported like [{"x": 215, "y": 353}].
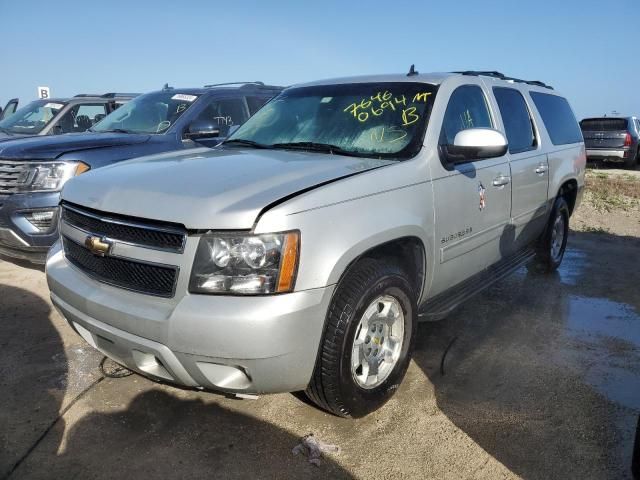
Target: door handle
[
  {"x": 501, "y": 181},
  {"x": 541, "y": 169}
]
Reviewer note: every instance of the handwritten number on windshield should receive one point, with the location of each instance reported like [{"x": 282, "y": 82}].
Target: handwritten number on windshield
[{"x": 381, "y": 101}]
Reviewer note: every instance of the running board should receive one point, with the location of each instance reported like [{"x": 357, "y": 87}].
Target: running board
[{"x": 444, "y": 303}]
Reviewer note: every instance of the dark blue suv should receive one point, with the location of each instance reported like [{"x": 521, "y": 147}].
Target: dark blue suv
[{"x": 33, "y": 170}]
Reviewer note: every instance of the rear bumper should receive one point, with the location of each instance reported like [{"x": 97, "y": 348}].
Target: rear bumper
[
  {"x": 614, "y": 154},
  {"x": 258, "y": 344}
]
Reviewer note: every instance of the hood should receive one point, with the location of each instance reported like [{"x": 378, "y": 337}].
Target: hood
[
  {"x": 208, "y": 189},
  {"x": 50, "y": 147},
  {"x": 5, "y": 137}
]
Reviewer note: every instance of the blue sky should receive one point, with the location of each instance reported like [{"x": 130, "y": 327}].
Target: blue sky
[{"x": 584, "y": 48}]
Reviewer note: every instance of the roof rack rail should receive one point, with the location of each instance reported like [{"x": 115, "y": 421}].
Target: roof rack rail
[
  {"x": 234, "y": 83},
  {"x": 119, "y": 94},
  {"x": 106, "y": 95},
  {"x": 502, "y": 76}
]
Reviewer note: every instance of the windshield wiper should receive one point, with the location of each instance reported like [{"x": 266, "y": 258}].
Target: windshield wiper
[
  {"x": 319, "y": 147},
  {"x": 8, "y": 132},
  {"x": 113, "y": 130},
  {"x": 245, "y": 142}
]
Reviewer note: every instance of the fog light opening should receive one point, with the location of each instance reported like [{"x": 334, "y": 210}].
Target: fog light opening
[{"x": 42, "y": 220}]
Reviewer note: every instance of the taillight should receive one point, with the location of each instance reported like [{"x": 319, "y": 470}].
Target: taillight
[{"x": 627, "y": 140}]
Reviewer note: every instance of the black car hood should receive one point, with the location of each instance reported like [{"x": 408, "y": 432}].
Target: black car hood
[{"x": 50, "y": 147}]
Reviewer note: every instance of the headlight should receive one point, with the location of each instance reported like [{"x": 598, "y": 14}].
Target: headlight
[
  {"x": 245, "y": 264},
  {"x": 48, "y": 176}
]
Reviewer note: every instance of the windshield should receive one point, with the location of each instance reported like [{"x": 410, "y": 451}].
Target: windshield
[
  {"x": 32, "y": 118},
  {"x": 150, "y": 113},
  {"x": 383, "y": 120}
]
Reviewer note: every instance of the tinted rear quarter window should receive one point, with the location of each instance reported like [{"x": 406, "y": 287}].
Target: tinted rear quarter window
[
  {"x": 256, "y": 103},
  {"x": 558, "y": 118},
  {"x": 516, "y": 119},
  {"x": 603, "y": 124}
]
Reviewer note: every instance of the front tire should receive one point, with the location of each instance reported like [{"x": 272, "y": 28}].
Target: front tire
[
  {"x": 368, "y": 339},
  {"x": 553, "y": 242}
]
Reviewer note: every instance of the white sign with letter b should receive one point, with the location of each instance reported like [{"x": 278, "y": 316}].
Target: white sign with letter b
[{"x": 44, "y": 92}]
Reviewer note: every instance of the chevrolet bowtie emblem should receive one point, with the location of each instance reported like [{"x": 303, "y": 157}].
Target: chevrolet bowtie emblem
[{"x": 98, "y": 246}]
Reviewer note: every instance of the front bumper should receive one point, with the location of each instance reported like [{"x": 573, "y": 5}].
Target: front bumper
[
  {"x": 253, "y": 344},
  {"x": 19, "y": 238}
]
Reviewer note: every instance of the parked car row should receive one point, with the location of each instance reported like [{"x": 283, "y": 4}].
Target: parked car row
[
  {"x": 300, "y": 252},
  {"x": 55, "y": 116},
  {"x": 116, "y": 127},
  {"x": 9, "y": 109},
  {"x": 612, "y": 139}
]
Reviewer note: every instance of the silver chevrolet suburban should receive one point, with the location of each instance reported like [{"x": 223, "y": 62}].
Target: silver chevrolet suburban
[{"x": 301, "y": 253}]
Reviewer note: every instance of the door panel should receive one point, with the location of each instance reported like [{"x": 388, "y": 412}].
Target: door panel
[
  {"x": 472, "y": 215},
  {"x": 472, "y": 200},
  {"x": 530, "y": 183},
  {"x": 529, "y": 169}
]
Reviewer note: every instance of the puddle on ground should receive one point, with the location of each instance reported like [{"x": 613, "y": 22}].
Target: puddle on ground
[
  {"x": 572, "y": 266},
  {"x": 610, "y": 333},
  {"x": 601, "y": 317}
]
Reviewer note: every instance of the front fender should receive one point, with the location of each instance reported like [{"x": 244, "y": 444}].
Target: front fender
[{"x": 333, "y": 236}]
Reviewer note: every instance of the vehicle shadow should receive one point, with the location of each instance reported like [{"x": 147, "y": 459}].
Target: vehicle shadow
[
  {"x": 513, "y": 368},
  {"x": 33, "y": 373},
  {"x": 22, "y": 263},
  {"x": 163, "y": 433}
]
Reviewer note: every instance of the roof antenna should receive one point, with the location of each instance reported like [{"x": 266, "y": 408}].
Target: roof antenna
[{"x": 412, "y": 71}]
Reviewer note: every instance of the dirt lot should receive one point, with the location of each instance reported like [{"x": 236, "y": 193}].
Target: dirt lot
[
  {"x": 541, "y": 380},
  {"x": 612, "y": 203}
]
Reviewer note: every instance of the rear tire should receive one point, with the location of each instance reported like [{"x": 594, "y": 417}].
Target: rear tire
[
  {"x": 368, "y": 339},
  {"x": 631, "y": 162},
  {"x": 553, "y": 243}
]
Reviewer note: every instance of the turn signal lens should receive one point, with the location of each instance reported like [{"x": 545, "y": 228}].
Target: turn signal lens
[
  {"x": 289, "y": 262},
  {"x": 81, "y": 168}
]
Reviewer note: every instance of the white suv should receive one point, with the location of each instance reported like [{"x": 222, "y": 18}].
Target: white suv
[{"x": 302, "y": 252}]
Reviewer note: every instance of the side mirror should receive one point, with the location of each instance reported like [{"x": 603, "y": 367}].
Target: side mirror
[
  {"x": 474, "y": 144},
  {"x": 202, "y": 129}
]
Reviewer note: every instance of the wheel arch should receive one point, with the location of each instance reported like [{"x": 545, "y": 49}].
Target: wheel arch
[
  {"x": 408, "y": 250},
  {"x": 569, "y": 191}
]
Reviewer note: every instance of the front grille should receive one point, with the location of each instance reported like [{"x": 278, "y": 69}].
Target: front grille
[
  {"x": 13, "y": 175},
  {"x": 148, "y": 278},
  {"x": 138, "y": 232}
]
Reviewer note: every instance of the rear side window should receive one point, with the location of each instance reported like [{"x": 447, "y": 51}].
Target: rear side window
[
  {"x": 467, "y": 108},
  {"x": 225, "y": 113},
  {"x": 603, "y": 124},
  {"x": 516, "y": 118},
  {"x": 81, "y": 117},
  {"x": 256, "y": 103},
  {"x": 558, "y": 118}
]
